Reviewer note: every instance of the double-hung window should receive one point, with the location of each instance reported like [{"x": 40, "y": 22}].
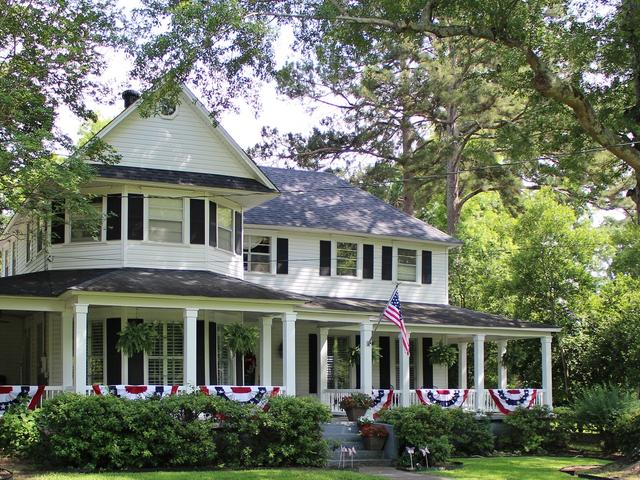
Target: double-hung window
[
  {"x": 407, "y": 261},
  {"x": 86, "y": 227},
  {"x": 346, "y": 259},
  {"x": 225, "y": 228},
  {"x": 165, "y": 219},
  {"x": 257, "y": 254}
]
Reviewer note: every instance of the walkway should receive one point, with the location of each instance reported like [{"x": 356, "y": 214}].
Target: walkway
[{"x": 389, "y": 472}]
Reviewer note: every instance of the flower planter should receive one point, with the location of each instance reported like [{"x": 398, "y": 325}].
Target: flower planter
[
  {"x": 354, "y": 414},
  {"x": 374, "y": 443}
]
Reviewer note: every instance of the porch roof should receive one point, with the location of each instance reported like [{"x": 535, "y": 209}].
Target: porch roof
[
  {"x": 426, "y": 313},
  {"x": 191, "y": 283}
]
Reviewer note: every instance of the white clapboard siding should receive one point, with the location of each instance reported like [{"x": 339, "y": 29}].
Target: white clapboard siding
[
  {"x": 184, "y": 142},
  {"x": 86, "y": 256},
  {"x": 304, "y": 277}
]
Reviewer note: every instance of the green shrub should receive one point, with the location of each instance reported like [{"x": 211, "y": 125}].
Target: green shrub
[
  {"x": 445, "y": 432},
  {"x": 599, "y": 407},
  {"x": 627, "y": 431},
  {"x": 106, "y": 432},
  {"x": 535, "y": 430},
  {"x": 18, "y": 431}
]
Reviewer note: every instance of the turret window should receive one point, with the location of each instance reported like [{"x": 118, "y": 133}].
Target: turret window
[
  {"x": 165, "y": 219},
  {"x": 84, "y": 227},
  {"x": 225, "y": 228}
]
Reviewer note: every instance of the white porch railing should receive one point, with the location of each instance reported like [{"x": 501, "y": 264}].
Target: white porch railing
[{"x": 332, "y": 398}]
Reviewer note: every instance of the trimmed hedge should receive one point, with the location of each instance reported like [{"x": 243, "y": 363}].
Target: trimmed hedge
[
  {"x": 627, "y": 433},
  {"x": 107, "y": 432},
  {"x": 536, "y": 430},
  {"x": 445, "y": 432}
]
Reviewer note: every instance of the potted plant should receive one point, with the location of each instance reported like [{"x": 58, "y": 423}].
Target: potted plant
[
  {"x": 242, "y": 340},
  {"x": 374, "y": 435},
  {"x": 356, "y": 405},
  {"x": 443, "y": 354},
  {"x": 137, "y": 338}
]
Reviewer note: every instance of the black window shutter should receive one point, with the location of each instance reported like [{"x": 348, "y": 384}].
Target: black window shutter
[
  {"x": 196, "y": 221},
  {"x": 387, "y": 263},
  {"x": 282, "y": 256},
  {"x": 213, "y": 224},
  {"x": 427, "y": 367},
  {"x": 385, "y": 362},
  {"x": 136, "y": 363},
  {"x": 114, "y": 216},
  {"x": 200, "y": 353},
  {"x": 313, "y": 363},
  {"x": 114, "y": 359},
  {"x": 135, "y": 227},
  {"x": 426, "y": 266},
  {"x": 238, "y": 232},
  {"x": 213, "y": 359},
  {"x": 325, "y": 258},
  {"x": 57, "y": 223},
  {"x": 367, "y": 261}
]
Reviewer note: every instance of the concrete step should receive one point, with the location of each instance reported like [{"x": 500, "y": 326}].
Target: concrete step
[{"x": 357, "y": 463}]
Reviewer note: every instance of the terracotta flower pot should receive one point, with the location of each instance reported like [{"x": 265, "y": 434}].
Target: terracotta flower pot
[{"x": 374, "y": 443}]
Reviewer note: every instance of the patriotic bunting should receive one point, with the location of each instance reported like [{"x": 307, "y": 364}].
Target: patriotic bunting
[
  {"x": 135, "y": 392},
  {"x": 381, "y": 401},
  {"x": 258, "y": 396},
  {"x": 509, "y": 400},
  {"x": 443, "y": 398},
  {"x": 13, "y": 394}
]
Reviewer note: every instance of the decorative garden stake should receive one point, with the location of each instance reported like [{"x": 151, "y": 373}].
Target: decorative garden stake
[
  {"x": 411, "y": 451},
  {"x": 425, "y": 451}
]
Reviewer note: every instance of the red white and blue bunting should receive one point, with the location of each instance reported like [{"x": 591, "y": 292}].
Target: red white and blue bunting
[
  {"x": 13, "y": 394},
  {"x": 382, "y": 399},
  {"x": 448, "y": 398},
  {"x": 509, "y": 400},
  {"x": 258, "y": 396},
  {"x": 136, "y": 392}
]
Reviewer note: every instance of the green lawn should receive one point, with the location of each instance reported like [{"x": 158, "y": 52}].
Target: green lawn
[
  {"x": 217, "y": 475},
  {"x": 517, "y": 468}
]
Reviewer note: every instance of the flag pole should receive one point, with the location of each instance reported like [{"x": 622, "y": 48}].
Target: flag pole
[{"x": 380, "y": 317}]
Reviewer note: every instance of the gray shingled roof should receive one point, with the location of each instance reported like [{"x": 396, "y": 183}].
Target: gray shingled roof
[
  {"x": 190, "y": 283},
  {"x": 179, "y": 177},
  {"x": 321, "y": 200}
]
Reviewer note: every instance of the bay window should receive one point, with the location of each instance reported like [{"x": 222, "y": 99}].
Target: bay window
[
  {"x": 84, "y": 227},
  {"x": 165, "y": 220},
  {"x": 225, "y": 228}
]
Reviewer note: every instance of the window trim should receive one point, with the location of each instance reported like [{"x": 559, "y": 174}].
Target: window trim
[
  {"x": 101, "y": 234},
  {"x": 396, "y": 250},
  {"x": 337, "y": 258},
  {"x": 148, "y": 219},
  {"x": 231, "y": 230},
  {"x": 247, "y": 263}
]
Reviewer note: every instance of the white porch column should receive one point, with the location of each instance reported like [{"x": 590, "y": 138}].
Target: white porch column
[
  {"x": 547, "y": 381},
  {"x": 462, "y": 365},
  {"x": 67, "y": 348},
  {"x": 366, "y": 358},
  {"x": 265, "y": 350},
  {"x": 190, "y": 317},
  {"x": 289, "y": 352},
  {"x": 478, "y": 369},
  {"x": 502, "y": 367},
  {"x": 80, "y": 312},
  {"x": 404, "y": 373},
  {"x": 323, "y": 350}
]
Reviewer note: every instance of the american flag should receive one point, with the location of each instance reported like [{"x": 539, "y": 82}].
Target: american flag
[{"x": 393, "y": 313}]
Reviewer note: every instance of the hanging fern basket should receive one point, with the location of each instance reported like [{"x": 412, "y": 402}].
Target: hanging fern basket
[
  {"x": 137, "y": 338},
  {"x": 241, "y": 339},
  {"x": 443, "y": 354}
]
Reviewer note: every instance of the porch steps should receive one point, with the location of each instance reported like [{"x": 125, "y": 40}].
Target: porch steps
[{"x": 342, "y": 433}]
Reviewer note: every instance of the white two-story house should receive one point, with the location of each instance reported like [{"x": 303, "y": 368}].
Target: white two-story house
[{"x": 195, "y": 236}]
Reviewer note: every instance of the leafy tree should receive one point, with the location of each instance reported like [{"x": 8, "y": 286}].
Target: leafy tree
[
  {"x": 51, "y": 60},
  {"x": 626, "y": 240}
]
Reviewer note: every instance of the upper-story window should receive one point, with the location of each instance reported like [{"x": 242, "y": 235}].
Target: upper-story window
[
  {"x": 83, "y": 227},
  {"x": 165, "y": 219},
  {"x": 257, "y": 254},
  {"x": 225, "y": 228},
  {"x": 346, "y": 259},
  {"x": 407, "y": 265}
]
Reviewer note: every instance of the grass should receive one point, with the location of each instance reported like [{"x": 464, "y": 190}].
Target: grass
[
  {"x": 517, "y": 468},
  {"x": 284, "y": 474}
]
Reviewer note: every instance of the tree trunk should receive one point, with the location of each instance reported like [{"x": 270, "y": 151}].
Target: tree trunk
[
  {"x": 453, "y": 195},
  {"x": 408, "y": 197}
]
